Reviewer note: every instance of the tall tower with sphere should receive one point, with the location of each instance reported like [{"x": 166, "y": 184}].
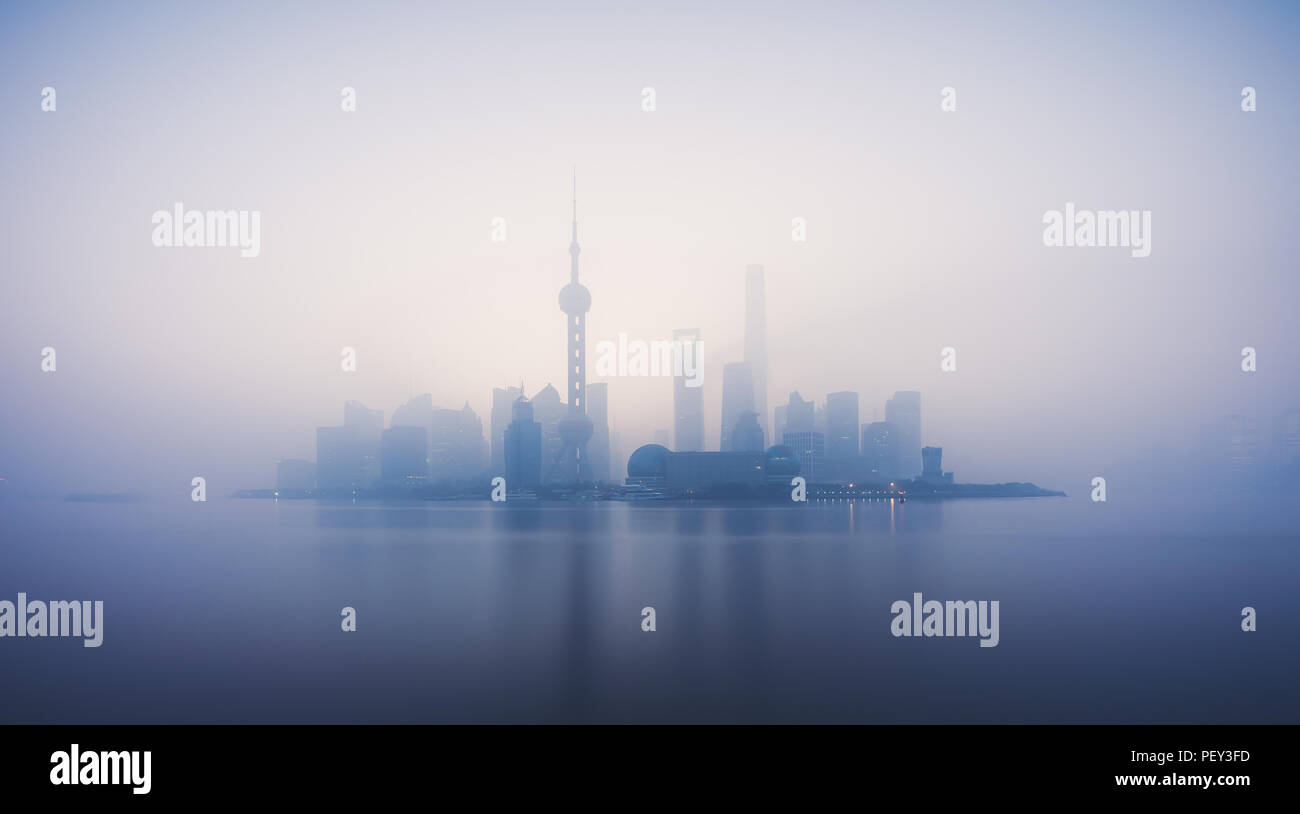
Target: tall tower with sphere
[{"x": 571, "y": 465}]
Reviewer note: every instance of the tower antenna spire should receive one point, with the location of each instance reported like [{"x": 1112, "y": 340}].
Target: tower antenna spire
[
  {"x": 575, "y": 428},
  {"x": 573, "y": 244}
]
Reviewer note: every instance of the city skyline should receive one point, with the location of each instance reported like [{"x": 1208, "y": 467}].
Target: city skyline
[
  {"x": 551, "y": 449},
  {"x": 829, "y": 441}
]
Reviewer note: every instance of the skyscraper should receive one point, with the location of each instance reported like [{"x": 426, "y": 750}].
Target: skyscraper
[
  {"x": 339, "y": 457},
  {"x": 904, "y": 412},
  {"x": 364, "y": 426},
  {"x": 503, "y": 401},
  {"x": 756, "y": 339},
  {"x": 456, "y": 446},
  {"x": 746, "y": 435},
  {"x": 571, "y": 466},
  {"x": 523, "y": 448},
  {"x": 842, "y": 425},
  {"x": 549, "y": 410},
  {"x": 688, "y": 402},
  {"x": 880, "y": 448},
  {"x": 347, "y": 457},
  {"x": 809, "y": 447},
  {"x": 800, "y": 415},
  {"x": 737, "y": 397},
  {"x": 598, "y": 447},
  {"x": 364, "y": 423},
  {"x": 402, "y": 452},
  {"x": 617, "y": 463},
  {"x": 932, "y": 466},
  {"x": 416, "y": 412}
]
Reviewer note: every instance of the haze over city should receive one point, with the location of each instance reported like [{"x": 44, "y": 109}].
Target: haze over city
[
  {"x": 924, "y": 228},
  {"x": 852, "y": 362}
]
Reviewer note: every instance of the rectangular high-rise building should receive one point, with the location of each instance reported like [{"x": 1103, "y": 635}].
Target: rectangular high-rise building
[
  {"x": 617, "y": 463},
  {"x": 756, "y": 340},
  {"x": 548, "y": 408},
  {"x": 363, "y": 422},
  {"x": 932, "y": 466},
  {"x": 456, "y": 446},
  {"x": 842, "y": 425},
  {"x": 598, "y": 447},
  {"x": 737, "y": 398},
  {"x": 523, "y": 449},
  {"x": 688, "y": 402},
  {"x": 344, "y": 460},
  {"x": 904, "y": 412},
  {"x": 503, "y": 399},
  {"x": 403, "y": 451},
  {"x": 880, "y": 449},
  {"x": 810, "y": 448},
  {"x": 598, "y": 402},
  {"x": 347, "y": 457},
  {"x": 800, "y": 415}
]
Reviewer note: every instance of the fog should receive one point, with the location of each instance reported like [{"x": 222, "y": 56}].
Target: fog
[{"x": 924, "y": 227}]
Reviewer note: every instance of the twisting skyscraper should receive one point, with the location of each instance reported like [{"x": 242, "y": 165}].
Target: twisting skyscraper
[{"x": 571, "y": 464}]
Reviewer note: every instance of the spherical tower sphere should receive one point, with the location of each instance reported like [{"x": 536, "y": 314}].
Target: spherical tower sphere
[{"x": 575, "y": 299}]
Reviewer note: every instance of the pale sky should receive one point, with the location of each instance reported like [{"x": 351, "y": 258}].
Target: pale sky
[{"x": 924, "y": 226}]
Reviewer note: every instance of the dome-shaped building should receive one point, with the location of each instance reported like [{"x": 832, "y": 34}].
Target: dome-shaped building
[
  {"x": 648, "y": 465},
  {"x": 720, "y": 474},
  {"x": 782, "y": 463}
]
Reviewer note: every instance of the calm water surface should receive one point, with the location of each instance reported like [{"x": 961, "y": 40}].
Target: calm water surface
[{"x": 229, "y": 611}]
